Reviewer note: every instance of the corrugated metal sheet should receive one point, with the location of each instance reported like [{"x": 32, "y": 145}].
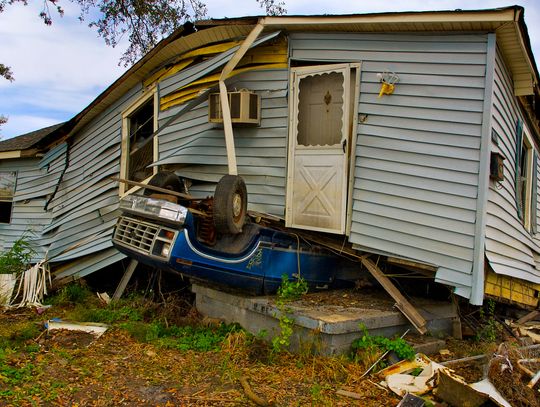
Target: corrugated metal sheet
[
  {"x": 510, "y": 248},
  {"x": 418, "y": 150}
]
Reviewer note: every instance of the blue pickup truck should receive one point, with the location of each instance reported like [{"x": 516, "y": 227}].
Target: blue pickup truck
[{"x": 253, "y": 258}]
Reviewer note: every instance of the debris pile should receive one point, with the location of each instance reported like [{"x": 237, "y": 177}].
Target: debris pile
[{"x": 508, "y": 377}]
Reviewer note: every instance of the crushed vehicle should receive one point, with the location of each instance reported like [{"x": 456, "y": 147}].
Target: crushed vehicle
[{"x": 214, "y": 241}]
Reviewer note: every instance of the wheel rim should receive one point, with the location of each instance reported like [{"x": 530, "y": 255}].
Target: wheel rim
[{"x": 237, "y": 206}]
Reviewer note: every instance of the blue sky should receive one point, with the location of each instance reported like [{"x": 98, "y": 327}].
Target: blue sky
[{"x": 60, "y": 69}]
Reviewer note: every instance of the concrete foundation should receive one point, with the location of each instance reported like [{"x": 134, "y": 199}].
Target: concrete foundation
[{"x": 322, "y": 328}]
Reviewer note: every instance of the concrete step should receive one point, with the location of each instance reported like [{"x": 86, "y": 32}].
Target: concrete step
[{"x": 326, "y": 329}]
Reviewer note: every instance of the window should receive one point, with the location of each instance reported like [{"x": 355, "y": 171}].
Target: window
[
  {"x": 7, "y": 190},
  {"x": 320, "y": 109},
  {"x": 526, "y": 179},
  {"x": 139, "y": 147}
]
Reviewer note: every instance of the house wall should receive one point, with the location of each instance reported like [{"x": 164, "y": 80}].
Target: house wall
[
  {"x": 418, "y": 150},
  {"x": 28, "y": 217},
  {"x": 67, "y": 198},
  {"x": 510, "y": 249},
  {"x": 83, "y": 208},
  {"x": 197, "y": 147}
]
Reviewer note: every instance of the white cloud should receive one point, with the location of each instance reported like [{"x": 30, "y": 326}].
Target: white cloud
[
  {"x": 67, "y": 53},
  {"x": 21, "y": 124},
  {"x": 60, "y": 69}
]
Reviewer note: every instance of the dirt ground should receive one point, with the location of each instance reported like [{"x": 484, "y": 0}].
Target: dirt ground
[
  {"x": 40, "y": 367},
  {"x": 73, "y": 368}
]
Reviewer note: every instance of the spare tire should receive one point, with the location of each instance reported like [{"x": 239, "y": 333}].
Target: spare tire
[
  {"x": 166, "y": 180},
  {"x": 230, "y": 204}
]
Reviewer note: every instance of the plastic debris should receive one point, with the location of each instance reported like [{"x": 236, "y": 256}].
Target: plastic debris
[{"x": 95, "y": 329}]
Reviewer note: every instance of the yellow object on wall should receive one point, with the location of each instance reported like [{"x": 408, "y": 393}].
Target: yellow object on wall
[
  {"x": 386, "y": 89},
  {"x": 512, "y": 290}
]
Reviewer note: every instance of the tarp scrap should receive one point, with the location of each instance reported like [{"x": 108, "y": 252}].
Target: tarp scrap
[{"x": 93, "y": 328}]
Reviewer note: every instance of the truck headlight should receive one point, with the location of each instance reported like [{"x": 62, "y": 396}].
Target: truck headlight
[{"x": 166, "y": 250}]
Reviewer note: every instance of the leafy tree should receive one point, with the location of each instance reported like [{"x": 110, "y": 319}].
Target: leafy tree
[
  {"x": 5, "y": 72},
  {"x": 145, "y": 22}
]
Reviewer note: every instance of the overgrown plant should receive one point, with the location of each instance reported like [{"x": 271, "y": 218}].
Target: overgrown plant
[
  {"x": 197, "y": 338},
  {"x": 490, "y": 328},
  {"x": 72, "y": 293},
  {"x": 370, "y": 347},
  {"x": 18, "y": 258},
  {"x": 288, "y": 291}
]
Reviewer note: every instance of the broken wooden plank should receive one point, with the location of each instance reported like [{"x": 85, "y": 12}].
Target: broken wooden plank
[
  {"x": 401, "y": 302},
  {"x": 157, "y": 189},
  {"x": 422, "y": 268},
  {"x": 350, "y": 394},
  {"x": 529, "y": 317},
  {"x": 125, "y": 280}
]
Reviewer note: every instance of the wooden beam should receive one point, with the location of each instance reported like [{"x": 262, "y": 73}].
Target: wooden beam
[
  {"x": 401, "y": 302},
  {"x": 529, "y": 317},
  {"x": 125, "y": 280},
  {"x": 157, "y": 189}
]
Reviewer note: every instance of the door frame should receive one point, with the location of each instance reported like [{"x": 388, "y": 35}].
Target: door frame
[{"x": 351, "y": 94}]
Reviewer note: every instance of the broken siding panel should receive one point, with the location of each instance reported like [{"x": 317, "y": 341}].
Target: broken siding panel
[
  {"x": 27, "y": 217},
  {"x": 98, "y": 204},
  {"x": 52, "y": 155},
  {"x": 87, "y": 265},
  {"x": 511, "y": 250},
  {"x": 105, "y": 131},
  {"x": 261, "y": 151},
  {"x": 418, "y": 150},
  {"x": 84, "y": 207},
  {"x": 44, "y": 180}
]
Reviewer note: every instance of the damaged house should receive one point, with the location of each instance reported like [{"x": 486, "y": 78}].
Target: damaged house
[{"x": 411, "y": 136}]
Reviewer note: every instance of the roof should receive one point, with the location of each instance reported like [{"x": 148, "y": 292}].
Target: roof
[
  {"x": 508, "y": 23},
  {"x": 28, "y": 140}
]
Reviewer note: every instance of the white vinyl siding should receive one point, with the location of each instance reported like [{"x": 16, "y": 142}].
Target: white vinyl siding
[
  {"x": 199, "y": 146},
  {"x": 512, "y": 248},
  {"x": 418, "y": 150}
]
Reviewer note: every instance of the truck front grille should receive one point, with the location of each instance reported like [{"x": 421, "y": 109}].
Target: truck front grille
[{"x": 136, "y": 234}]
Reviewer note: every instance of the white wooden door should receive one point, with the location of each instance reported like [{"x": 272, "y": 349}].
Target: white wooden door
[{"x": 318, "y": 135}]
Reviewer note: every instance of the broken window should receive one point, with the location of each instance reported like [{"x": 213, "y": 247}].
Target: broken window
[
  {"x": 7, "y": 190},
  {"x": 138, "y": 147}
]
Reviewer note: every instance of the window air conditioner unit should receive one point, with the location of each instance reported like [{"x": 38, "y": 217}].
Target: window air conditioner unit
[{"x": 245, "y": 108}]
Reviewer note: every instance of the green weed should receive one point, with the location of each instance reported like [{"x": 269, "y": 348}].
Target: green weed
[
  {"x": 291, "y": 290},
  {"x": 288, "y": 291},
  {"x": 185, "y": 338},
  {"x": 490, "y": 328},
  {"x": 369, "y": 347},
  {"x": 317, "y": 395},
  {"x": 108, "y": 315},
  {"x": 71, "y": 294},
  {"x": 14, "y": 375},
  {"x": 17, "y": 334}
]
